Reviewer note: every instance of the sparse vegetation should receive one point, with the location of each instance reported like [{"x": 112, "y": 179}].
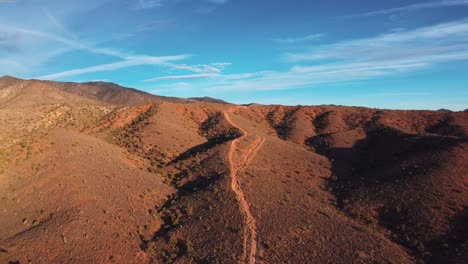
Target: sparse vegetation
[
  {"x": 215, "y": 132},
  {"x": 283, "y": 127},
  {"x": 129, "y": 136},
  {"x": 35, "y": 222}
]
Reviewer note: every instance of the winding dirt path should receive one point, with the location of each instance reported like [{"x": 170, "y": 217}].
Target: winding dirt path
[{"x": 250, "y": 232}]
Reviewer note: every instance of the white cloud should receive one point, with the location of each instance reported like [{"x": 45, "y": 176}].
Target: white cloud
[
  {"x": 58, "y": 24},
  {"x": 127, "y": 59},
  {"x": 447, "y": 37},
  {"x": 148, "y": 4},
  {"x": 130, "y": 62},
  {"x": 71, "y": 43},
  {"x": 202, "y": 68},
  {"x": 65, "y": 44},
  {"x": 310, "y": 37},
  {"x": 415, "y": 7},
  {"x": 8, "y": 40},
  {"x": 183, "y": 77},
  {"x": 10, "y": 66},
  {"x": 153, "y": 25},
  {"x": 239, "y": 76},
  {"x": 360, "y": 59},
  {"x": 295, "y": 79},
  {"x": 218, "y": 1},
  {"x": 33, "y": 42}
]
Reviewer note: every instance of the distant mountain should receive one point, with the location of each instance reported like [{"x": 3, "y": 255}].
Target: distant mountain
[
  {"x": 7, "y": 78},
  {"x": 100, "y": 91},
  {"x": 17, "y": 93},
  {"x": 207, "y": 99},
  {"x": 113, "y": 93},
  {"x": 443, "y": 110}
]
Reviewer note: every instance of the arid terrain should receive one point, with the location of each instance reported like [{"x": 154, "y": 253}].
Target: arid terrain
[{"x": 98, "y": 173}]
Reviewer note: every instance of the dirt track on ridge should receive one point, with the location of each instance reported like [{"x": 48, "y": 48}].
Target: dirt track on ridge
[{"x": 251, "y": 224}]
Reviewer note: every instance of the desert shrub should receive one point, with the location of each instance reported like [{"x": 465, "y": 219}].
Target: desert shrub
[
  {"x": 189, "y": 210},
  {"x": 129, "y": 136},
  {"x": 284, "y": 127},
  {"x": 176, "y": 216},
  {"x": 215, "y": 132}
]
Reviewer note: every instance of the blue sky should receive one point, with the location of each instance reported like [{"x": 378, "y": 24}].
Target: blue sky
[{"x": 385, "y": 54}]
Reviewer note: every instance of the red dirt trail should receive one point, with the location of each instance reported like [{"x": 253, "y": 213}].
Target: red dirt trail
[{"x": 235, "y": 168}]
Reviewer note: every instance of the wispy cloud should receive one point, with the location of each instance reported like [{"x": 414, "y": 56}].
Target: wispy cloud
[
  {"x": 209, "y": 6},
  {"x": 130, "y": 62},
  {"x": 153, "y": 25},
  {"x": 400, "y": 94},
  {"x": 218, "y": 1},
  {"x": 241, "y": 76},
  {"x": 204, "y": 10},
  {"x": 32, "y": 43},
  {"x": 415, "y": 7},
  {"x": 12, "y": 65},
  {"x": 183, "y": 77},
  {"x": 8, "y": 35},
  {"x": 202, "y": 68},
  {"x": 360, "y": 59},
  {"x": 446, "y": 37},
  {"x": 310, "y": 37},
  {"x": 127, "y": 59},
  {"x": 148, "y": 4},
  {"x": 303, "y": 78},
  {"x": 58, "y": 24},
  {"x": 72, "y": 43},
  {"x": 8, "y": 40}
]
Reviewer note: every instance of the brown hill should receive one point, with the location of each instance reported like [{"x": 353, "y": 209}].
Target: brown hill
[
  {"x": 113, "y": 93},
  {"x": 207, "y": 99},
  {"x": 99, "y": 173}
]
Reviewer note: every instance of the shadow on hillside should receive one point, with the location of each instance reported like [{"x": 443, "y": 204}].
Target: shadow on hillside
[
  {"x": 382, "y": 166},
  {"x": 447, "y": 126},
  {"x": 172, "y": 214},
  {"x": 455, "y": 246},
  {"x": 204, "y": 147},
  {"x": 378, "y": 159},
  {"x": 198, "y": 149}
]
